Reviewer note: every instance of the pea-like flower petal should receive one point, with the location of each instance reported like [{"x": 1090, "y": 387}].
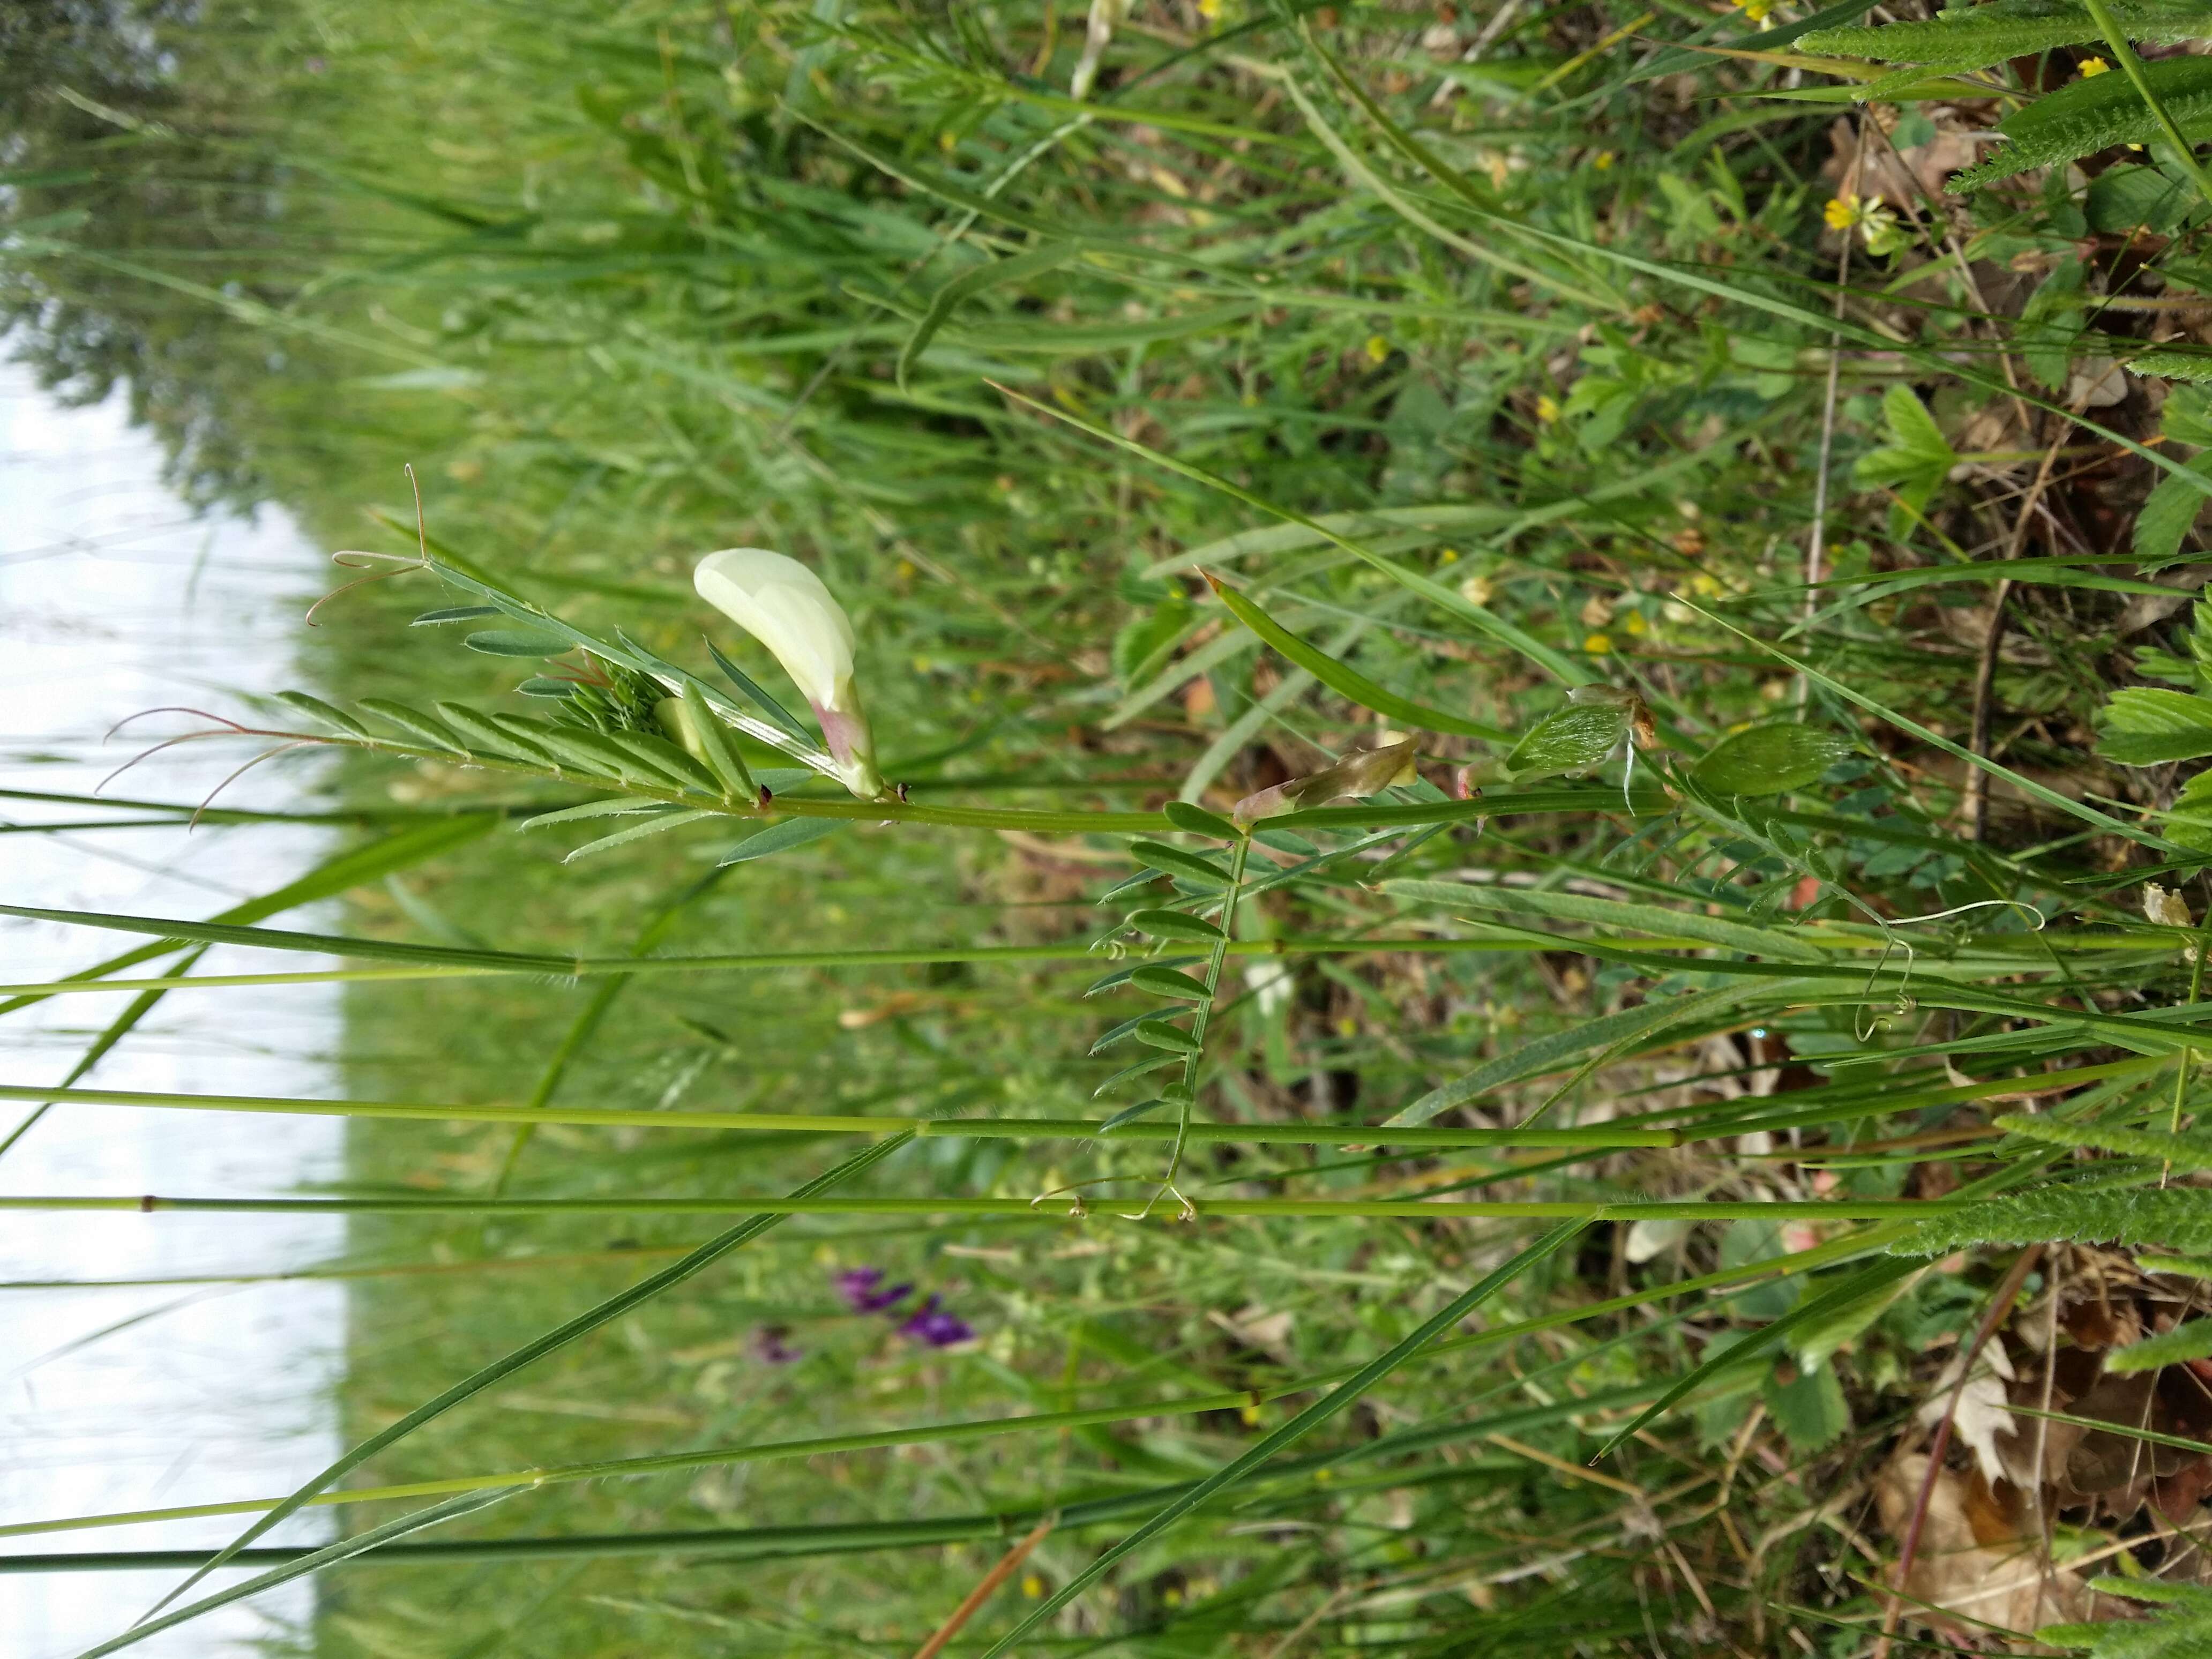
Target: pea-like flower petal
[{"x": 785, "y": 606}]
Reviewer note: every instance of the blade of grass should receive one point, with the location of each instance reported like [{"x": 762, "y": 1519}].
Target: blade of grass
[
  {"x": 123, "y": 1025},
  {"x": 1343, "y": 679},
  {"x": 350, "y": 869},
  {"x": 993, "y": 1128},
  {"x": 345, "y": 1549}
]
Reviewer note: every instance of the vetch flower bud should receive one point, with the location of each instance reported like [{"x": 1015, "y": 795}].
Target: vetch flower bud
[
  {"x": 785, "y": 606},
  {"x": 2168, "y": 910},
  {"x": 1362, "y": 772}
]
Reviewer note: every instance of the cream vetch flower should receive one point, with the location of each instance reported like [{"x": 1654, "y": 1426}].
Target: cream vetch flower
[{"x": 784, "y": 605}]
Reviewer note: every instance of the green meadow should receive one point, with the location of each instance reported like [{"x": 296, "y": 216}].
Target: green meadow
[{"x": 1693, "y": 1151}]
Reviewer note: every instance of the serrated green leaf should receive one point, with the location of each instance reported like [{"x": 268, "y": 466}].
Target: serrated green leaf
[
  {"x": 2187, "y": 417},
  {"x": 2146, "y": 725},
  {"x": 2171, "y": 511},
  {"x": 1810, "y": 1412},
  {"x": 2189, "y": 821},
  {"x": 1767, "y": 760}
]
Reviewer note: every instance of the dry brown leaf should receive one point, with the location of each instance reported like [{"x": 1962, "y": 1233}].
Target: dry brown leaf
[
  {"x": 1973, "y": 1560},
  {"x": 1981, "y": 1417}
]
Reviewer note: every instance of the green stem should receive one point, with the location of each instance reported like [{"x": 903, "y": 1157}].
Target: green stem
[
  {"x": 1050, "y": 1208},
  {"x": 2181, "y": 1069},
  {"x": 993, "y": 1128},
  {"x": 1214, "y": 958}
]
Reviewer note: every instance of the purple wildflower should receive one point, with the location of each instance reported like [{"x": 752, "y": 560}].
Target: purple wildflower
[
  {"x": 769, "y": 1347},
  {"x": 933, "y": 1325},
  {"x": 858, "y": 1285}
]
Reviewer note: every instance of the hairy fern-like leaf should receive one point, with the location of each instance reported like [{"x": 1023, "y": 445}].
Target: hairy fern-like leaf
[
  {"x": 2173, "y": 365},
  {"x": 2007, "y": 28},
  {"x": 2183, "y": 1632},
  {"x": 2096, "y": 113},
  {"x": 2183, "y": 1152},
  {"x": 2178, "y": 1217}
]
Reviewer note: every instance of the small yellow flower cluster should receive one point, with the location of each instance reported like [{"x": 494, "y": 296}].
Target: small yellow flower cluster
[
  {"x": 1874, "y": 220},
  {"x": 1758, "y": 10},
  {"x": 2094, "y": 66}
]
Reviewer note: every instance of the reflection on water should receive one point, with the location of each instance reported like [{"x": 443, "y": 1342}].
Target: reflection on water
[{"x": 113, "y": 598}]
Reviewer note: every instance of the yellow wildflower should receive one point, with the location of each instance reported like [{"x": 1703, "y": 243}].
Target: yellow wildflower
[
  {"x": 1032, "y": 1586},
  {"x": 1547, "y": 409},
  {"x": 1378, "y": 349},
  {"x": 2091, "y": 66},
  {"x": 1603, "y": 160},
  {"x": 1209, "y": 11},
  {"x": 1842, "y": 212},
  {"x": 1634, "y": 624},
  {"x": 1598, "y": 645}
]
